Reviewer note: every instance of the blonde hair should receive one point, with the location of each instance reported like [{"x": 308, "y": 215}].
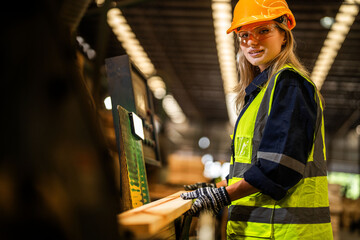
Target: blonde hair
[{"x": 247, "y": 71}]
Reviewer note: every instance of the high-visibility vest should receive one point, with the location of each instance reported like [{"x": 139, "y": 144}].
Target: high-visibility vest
[{"x": 304, "y": 212}]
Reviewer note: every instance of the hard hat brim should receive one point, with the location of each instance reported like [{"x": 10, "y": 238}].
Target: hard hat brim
[{"x": 262, "y": 18}]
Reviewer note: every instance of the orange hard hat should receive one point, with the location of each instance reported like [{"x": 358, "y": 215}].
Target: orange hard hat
[{"x": 253, "y": 11}]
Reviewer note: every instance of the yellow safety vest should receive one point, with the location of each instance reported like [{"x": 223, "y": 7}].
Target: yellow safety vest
[{"x": 304, "y": 212}]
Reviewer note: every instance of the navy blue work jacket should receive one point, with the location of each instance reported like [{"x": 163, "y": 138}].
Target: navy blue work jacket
[{"x": 289, "y": 130}]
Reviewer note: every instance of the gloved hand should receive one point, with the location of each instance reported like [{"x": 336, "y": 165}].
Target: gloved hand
[
  {"x": 212, "y": 199},
  {"x": 199, "y": 185}
]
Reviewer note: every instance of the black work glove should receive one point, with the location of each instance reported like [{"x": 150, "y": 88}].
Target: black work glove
[
  {"x": 212, "y": 199},
  {"x": 199, "y": 185}
]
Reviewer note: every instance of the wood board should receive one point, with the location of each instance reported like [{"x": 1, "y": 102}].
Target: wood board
[{"x": 149, "y": 219}]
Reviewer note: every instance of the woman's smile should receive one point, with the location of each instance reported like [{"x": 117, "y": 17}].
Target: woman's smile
[{"x": 256, "y": 53}]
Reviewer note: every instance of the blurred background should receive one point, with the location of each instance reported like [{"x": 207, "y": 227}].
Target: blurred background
[{"x": 59, "y": 171}]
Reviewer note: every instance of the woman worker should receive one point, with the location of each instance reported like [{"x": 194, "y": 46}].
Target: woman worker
[{"x": 277, "y": 185}]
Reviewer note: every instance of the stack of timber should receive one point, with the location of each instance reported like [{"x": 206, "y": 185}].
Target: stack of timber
[
  {"x": 185, "y": 169},
  {"x": 156, "y": 219}
]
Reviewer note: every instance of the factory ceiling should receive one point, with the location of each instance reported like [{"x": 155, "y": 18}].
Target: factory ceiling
[{"x": 178, "y": 36}]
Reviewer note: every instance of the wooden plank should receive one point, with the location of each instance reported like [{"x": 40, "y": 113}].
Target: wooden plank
[
  {"x": 150, "y": 219},
  {"x": 168, "y": 232},
  {"x": 152, "y": 204}
]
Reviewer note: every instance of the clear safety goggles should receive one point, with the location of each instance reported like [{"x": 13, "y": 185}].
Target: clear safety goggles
[{"x": 259, "y": 32}]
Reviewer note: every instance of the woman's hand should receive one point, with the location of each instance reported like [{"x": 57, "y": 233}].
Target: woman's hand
[{"x": 208, "y": 198}]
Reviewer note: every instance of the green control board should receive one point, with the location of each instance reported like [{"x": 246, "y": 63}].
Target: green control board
[{"x": 134, "y": 182}]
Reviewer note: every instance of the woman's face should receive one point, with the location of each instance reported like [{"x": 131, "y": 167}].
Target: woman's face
[{"x": 261, "y": 43}]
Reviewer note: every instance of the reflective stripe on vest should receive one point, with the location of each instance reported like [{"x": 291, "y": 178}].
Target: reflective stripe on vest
[{"x": 306, "y": 204}]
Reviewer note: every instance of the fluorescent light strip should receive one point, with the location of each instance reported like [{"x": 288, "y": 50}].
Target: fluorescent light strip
[
  {"x": 129, "y": 42},
  {"x": 157, "y": 86},
  {"x": 222, "y": 15},
  {"x": 335, "y": 38},
  {"x": 137, "y": 54},
  {"x": 173, "y": 109},
  {"x": 91, "y": 54}
]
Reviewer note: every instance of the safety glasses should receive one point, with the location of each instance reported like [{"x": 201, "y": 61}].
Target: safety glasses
[{"x": 259, "y": 33}]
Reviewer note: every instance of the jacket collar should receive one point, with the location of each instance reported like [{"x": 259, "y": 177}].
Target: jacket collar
[{"x": 258, "y": 81}]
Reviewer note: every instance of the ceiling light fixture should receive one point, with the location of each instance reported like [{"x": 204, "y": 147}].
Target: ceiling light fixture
[
  {"x": 204, "y": 142},
  {"x": 133, "y": 48},
  {"x": 225, "y": 45},
  {"x": 157, "y": 86},
  {"x": 357, "y": 130},
  {"x": 90, "y": 53},
  {"x": 173, "y": 110},
  {"x": 327, "y": 22},
  {"x": 212, "y": 170},
  {"x": 335, "y": 38},
  {"x": 207, "y": 158},
  {"x": 129, "y": 42},
  {"x": 139, "y": 57},
  {"x": 100, "y": 3}
]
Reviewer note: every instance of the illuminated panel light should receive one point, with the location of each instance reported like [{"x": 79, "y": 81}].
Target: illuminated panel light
[
  {"x": 335, "y": 38},
  {"x": 204, "y": 142},
  {"x": 173, "y": 109},
  {"x": 225, "y": 169},
  {"x": 326, "y": 22},
  {"x": 222, "y": 15},
  {"x": 91, "y": 54},
  {"x": 212, "y": 170},
  {"x": 357, "y": 130},
  {"x": 207, "y": 158},
  {"x": 100, "y": 3},
  {"x": 132, "y": 46},
  {"x": 107, "y": 102},
  {"x": 157, "y": 86}
]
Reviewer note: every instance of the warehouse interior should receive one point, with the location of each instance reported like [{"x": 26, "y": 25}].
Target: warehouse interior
[{"x": 60, "y": 175}]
